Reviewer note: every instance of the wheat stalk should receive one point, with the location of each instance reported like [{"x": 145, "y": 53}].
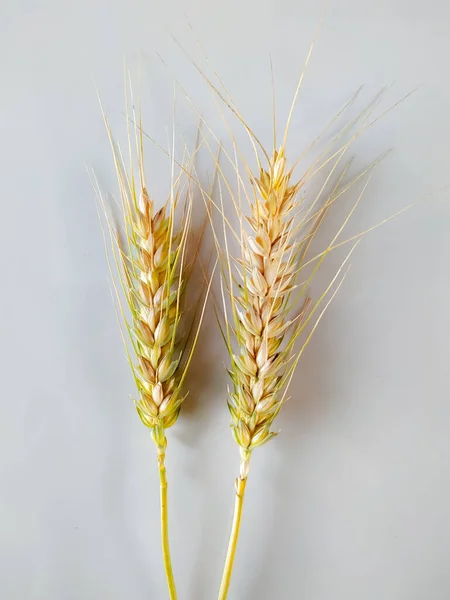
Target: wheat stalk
[{"x": 153, "y": 269}]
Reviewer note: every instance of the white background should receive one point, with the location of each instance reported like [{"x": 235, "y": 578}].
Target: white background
[{"x": 352, "y": 500}]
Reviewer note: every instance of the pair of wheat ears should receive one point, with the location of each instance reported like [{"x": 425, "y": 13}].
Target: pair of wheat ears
[{"x": 266, "y": 309}]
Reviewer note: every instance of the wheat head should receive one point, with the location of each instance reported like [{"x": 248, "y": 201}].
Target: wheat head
[
  {"x": 269, "y": 308},
  {"x": 152, "y": 277},
  {"x": 154, "y": 265},
  {"x": 156, "y": 298},
  {"x": 150, "y": 252},
  {"x": 265, "y": 308},
  {"x": 268, "y": 269}
]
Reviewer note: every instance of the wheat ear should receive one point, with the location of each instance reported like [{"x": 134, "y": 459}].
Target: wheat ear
[
  {"x": 269, "y": 310},
  {"x": 151, "y": 260},
  {"x": 267, "y": 270}
]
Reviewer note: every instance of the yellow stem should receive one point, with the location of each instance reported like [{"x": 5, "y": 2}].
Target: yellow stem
[
  {"x": 165, "y": 526},
  {"x": 238, "y": 504}
]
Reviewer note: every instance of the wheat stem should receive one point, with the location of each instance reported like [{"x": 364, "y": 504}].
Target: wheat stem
[
  {"x": 228, "y": 568},
  {"x": 165, "y": 523}
]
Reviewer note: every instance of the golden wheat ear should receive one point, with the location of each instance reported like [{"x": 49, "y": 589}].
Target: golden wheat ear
[
  {"x": 151, "y": 263},
  {"x": 266, "y": 304}
]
